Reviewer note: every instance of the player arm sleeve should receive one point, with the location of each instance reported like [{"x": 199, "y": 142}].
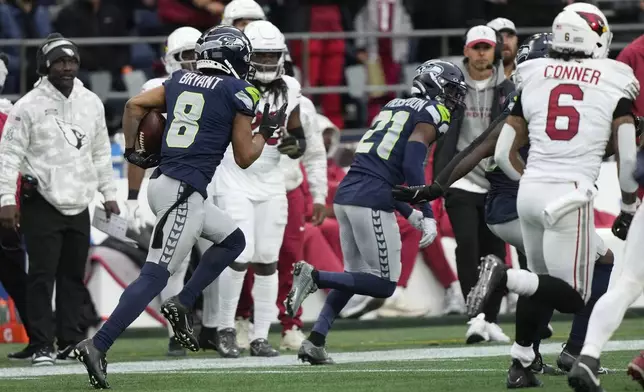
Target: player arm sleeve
[
  {"x": 466, "y": 160},
  {"x": 13, "y": 147},
  {"x": 404, "y": 208},
  {"x": 314, "y": 159},
  {"x": 414, "y": 171},
  {"x": 626, "y": 147},
  {"x": 102, "y": 156}
]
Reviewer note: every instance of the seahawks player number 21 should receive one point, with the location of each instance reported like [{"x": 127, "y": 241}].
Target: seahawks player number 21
[{"x": 394, "y": 123}]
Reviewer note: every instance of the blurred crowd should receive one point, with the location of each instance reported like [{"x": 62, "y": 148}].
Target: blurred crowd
[{"x": 384, "y": 58}]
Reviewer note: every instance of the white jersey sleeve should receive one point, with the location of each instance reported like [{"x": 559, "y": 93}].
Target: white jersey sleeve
[
  {"x": 569, "y": 108},
  {"x": 153, "y": 83}
]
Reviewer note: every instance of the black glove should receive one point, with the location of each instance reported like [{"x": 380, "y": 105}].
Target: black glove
[
  {"x": 292, "y": 146},
  {"x": 417, "y": 194},
  {"x": 271, "y": 123},
  {"x": 639, "y": 125},
  {"x": 142, "y": 160},
  {"x": 621, "y": 225}
]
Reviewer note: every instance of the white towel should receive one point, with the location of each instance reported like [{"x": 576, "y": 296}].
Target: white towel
[{"x": 568, "y": 203}]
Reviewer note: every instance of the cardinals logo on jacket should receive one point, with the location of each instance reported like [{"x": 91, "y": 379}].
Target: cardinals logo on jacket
[{"x": 74, "y": 136}]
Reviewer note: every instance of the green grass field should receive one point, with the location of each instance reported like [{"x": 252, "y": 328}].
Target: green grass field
[{"x": 411, "y": 359}]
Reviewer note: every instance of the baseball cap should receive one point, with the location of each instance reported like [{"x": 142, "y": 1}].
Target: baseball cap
[
  {"x": 503, "y": 24},
  {"x": 480, "y": 34}
]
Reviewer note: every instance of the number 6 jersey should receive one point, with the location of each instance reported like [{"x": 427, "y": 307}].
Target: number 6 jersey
[
  {"x": 378, "y": 162},
  {"x": 201, "y": 110},
  {"x": 570, "y": 107}
]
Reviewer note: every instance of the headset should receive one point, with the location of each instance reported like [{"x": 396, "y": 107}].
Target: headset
[{"x": 498, "y": 48}]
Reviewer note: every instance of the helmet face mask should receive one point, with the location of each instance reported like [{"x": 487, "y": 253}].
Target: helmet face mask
[{"x": 268, "y": 65}]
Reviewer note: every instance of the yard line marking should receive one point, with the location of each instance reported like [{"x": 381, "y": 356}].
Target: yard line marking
[{"x": 218, "y": 364}]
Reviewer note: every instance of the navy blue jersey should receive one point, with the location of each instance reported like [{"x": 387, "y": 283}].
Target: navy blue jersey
[
  {"x": 378, "y": 163},
  {"x": 501, "y": 201},
  {"x": 201, "y": 110}
]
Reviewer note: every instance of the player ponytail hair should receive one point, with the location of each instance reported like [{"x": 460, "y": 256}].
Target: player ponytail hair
[{"x": 277, "y": 88}]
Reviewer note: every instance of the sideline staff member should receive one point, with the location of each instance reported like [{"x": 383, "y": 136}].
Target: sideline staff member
[{"x": 57, "y": 138}]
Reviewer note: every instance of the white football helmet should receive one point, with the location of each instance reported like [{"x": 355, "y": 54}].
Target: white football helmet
[
  {"x": 242, "y": 9},
  {"x": 269, "y": 48},
  {"x": 598, "y": 23},
  {"x": 183, "y": 39}
]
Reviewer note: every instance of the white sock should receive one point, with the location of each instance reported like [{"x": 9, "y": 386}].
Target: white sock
[
  {"x": 522, "y": 282},
  {"x": 524, "y": 354},
  {"x": 264, "y": 298},
  {"x": 608, "y": 314},
  {"x": 174, "y": 286},
  {"x": 230, "y": 286},
  {"x": 210, "y": 305}
]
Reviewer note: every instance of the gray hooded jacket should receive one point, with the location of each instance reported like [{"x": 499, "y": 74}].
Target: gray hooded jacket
[{"x": 482, "y": 106}]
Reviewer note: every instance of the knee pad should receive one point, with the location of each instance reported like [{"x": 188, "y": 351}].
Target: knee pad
[{"x": 386, "y": 289}]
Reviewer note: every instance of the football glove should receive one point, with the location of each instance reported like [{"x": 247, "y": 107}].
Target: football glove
[
  {"x": 417, "y": 194},
  {"x": 292, "y": 147},
  {"x": 429, "y": 232},
  {"x": 621, "y": 225},
  {"x": 141, "y": 159},
  {"x": 426, "y": 225},
  {"x": 271, "y": 123}
]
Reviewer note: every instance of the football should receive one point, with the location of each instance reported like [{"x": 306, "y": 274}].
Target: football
[{"x": 150, "y": 133}]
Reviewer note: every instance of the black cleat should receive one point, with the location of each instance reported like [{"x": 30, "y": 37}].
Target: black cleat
[
  {"x": 95, "y": 363},
  {"x": 261, "y": 348},
  {"x": 175, "y": 349},
  {"x": 566, "y": 360},
  {"x": 521, "y": 377},
  {"x": 24, "y": 354},
  {"x": 208, "y": 338},
  {"x": 315, "y": 355},
  {"x": 491, "y": 273},
  {"x": 583, "y": 375},
  {"x": 180, "y": 318},
  {"x": 538, "y": 367},
  {"x": 227, "y": 343}
]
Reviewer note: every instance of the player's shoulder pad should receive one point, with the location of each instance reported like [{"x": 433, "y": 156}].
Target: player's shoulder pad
[
  {"x": 245, "y": 92},
  {"x": 526, "y": 70},
  {"x": 624, "y": 76},
  {"x": 152, "y": 84},
  {"x": 440, "y": 114},
  {"x": 307, "y": 106},
  {"x": 291, "y": 83}
]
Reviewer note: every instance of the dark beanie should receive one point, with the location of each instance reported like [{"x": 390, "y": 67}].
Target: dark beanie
[{"x": 55, "y": 47}]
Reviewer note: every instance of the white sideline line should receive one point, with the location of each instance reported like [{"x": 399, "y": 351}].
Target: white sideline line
[
  {"x": 215, "y": 364},
  {"x": 326, "y": 369}
]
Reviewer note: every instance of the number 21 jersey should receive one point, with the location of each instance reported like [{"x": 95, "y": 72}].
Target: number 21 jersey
[
  {"x": 378, "y": 163},
  {"x": 570, "y": 107},
  {"x": 201, "y": 110}
]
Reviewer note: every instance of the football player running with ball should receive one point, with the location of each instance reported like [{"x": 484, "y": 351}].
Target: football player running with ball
[
  {"x": 207, "y": 110},
  {"x": 392, "y": 152},
  {"x": 255, "y": 197}
]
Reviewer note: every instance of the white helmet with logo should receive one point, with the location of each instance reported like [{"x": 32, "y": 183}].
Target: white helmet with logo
[
  {"x": 598, "y": 23},
  {"x": 269, "y": 49},
  {"x": 242, "y": 9},
  {"x": 181, "y": 40}
]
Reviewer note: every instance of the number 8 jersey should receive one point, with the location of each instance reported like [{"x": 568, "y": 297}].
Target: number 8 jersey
[
  {"x": 201, "y": 110},
  {"x": 569, "y": 107}
]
